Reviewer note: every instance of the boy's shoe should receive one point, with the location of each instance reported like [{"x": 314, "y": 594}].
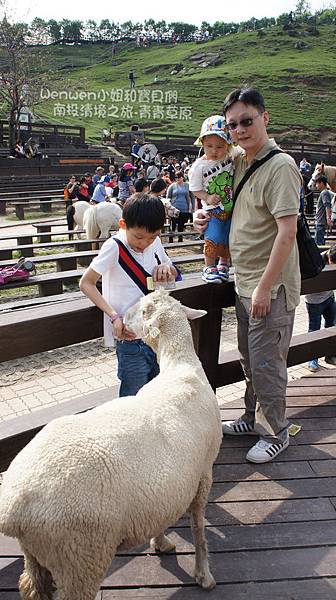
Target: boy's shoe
[
  {"x": 331, "y": 360},
  {"x": 223, "y": 272},
  {"x": 264, "y": 451},
  {"x": 313, "y": 365},
  {"x": 238, "y": 427},
  {"x": 210, "y": 275}
]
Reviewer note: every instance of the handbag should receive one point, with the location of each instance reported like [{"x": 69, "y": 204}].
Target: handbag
[
  {"x": 310, "y": 259},
  {"x": 18, "y": 272}
]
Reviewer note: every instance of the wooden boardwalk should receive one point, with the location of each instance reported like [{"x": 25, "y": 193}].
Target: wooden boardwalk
[{"x": 271, "y": 528}]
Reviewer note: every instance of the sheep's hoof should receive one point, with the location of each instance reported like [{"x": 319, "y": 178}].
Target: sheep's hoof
[
  {"x": 206, "y": 581},
  {"x": 164, "y": 546}
]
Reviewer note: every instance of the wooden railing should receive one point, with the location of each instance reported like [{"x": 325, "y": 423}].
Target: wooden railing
[{"x": 46, "y": 133}]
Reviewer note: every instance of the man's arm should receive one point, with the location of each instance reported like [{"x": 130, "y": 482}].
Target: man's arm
[{"x": 285, "y": 238}]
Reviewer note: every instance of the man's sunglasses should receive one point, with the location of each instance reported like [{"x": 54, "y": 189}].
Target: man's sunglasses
[{"x": 244, "y": 123}]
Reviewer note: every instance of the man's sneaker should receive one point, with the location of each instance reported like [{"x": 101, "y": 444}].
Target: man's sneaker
[
  {"x": 223, "y": 272},
  {"x": 238, "y": 427},
  {"x": 331, "y": 360},
  {"x": 210, "y": 275},
  {"x": 264, "y": 451},
  {"x": 313, "y": 365}
]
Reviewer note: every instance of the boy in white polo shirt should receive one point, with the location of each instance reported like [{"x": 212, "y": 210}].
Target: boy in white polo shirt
[{"x": 125, "y": 262}]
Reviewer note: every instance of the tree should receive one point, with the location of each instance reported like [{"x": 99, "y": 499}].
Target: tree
[
  {"x": 302, "y": 10},
  {"x": 54, "y": 30},
  {"x": 22, "y": 74}
]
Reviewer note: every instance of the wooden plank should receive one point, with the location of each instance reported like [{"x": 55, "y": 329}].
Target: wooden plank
[
  {"x": 299, "y": 412},
  {"x": 291, "y": 401},
  {"x": 236, "y": 455},
  {"x": 273, "y": 470},
  {"x": 175, "y": 569},
  {"x": 231, "y": 538},
  {"x": 315, "y": 381},
  {"x": 324, "y": 468},
  {"x": 316, "y": 437},
  {"x": 276, "y": 490},
  {"x": 303, "y": 589}
]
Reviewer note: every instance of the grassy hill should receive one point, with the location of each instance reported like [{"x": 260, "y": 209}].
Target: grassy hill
[{"x": 296, "y": 74}]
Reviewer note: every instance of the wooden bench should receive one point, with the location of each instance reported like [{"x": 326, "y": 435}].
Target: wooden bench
[
  {"x": 9, "y": 199},
  {"x": 28, "y": 250},
  {"x": 68, "y": 260},
  {"x": 27, "y": 238},
  {"x": 52, "y": 283},
  {"x": 41, "y": 205}
]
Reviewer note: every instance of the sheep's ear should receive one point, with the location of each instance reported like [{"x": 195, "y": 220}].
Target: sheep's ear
[
  {"x": 193, "y": 313},
  {"x": 151, "y": 329}
]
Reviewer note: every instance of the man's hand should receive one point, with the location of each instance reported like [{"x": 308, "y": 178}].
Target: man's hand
[
  {"x": 261, "y": 303},
  {"x": 200, "y": 220},
  {"x": 213, "y": 199}
]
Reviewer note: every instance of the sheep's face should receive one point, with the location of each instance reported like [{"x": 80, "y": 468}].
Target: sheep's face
[
  {"x": 147, "y": 316},
  {"x": 144, "y": 317}
]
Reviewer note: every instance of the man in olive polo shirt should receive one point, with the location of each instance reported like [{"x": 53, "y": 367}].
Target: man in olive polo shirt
[{"x": 267, "y": 275}]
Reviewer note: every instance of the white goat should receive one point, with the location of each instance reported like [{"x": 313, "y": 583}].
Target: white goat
[{"x": 116, "y": 476}]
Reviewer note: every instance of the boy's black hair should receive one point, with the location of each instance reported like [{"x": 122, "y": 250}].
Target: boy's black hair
[
  {"x": 140, "y": 184},
  {"x": 144, "y": 211},
  {"x": 158, "y": 185},
  {"x": 321, "y": 179},
  {"x": 247, "y": 95}
]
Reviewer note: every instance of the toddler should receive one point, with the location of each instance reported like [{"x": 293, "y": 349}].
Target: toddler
[{"x": 211, "y": 180}]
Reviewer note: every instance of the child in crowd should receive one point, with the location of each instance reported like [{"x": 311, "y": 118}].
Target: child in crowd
[
  {"x": 322, "y": 304},
  {"x": 125, "y": 261},
  {"x": 211, "y": 180}
]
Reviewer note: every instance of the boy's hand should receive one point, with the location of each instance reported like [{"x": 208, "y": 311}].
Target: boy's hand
[
  {"x": 213, "y": 199},
  {"x": 120, "y": 331},
  {"x": 163, "y": 273}
]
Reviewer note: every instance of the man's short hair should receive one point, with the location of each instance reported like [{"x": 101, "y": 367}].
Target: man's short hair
[
  {"x": 321, "y": 179},
  {"x": 158, "y": 185},
  {"x": 144, "y": 211},
  {"x": 247, "y": 95}
]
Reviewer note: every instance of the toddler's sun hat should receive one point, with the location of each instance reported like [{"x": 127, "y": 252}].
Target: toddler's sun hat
[{"x": 214, "y": 125}]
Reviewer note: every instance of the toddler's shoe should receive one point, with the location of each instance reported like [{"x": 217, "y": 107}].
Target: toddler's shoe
[
  {"x": 211, "y": 275},
  {"x": 313, "y": 365},
  {"x": 331, "y": 360},
  {"x": 223, "y": 272}
]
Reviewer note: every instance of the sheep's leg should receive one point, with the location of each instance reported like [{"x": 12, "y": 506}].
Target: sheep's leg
[
  {"x": 35, "y": 581},
  {"x": 82, "y": 577},
  {"x": 202, "y": 571},
  {"x": 162, "y": 543}
]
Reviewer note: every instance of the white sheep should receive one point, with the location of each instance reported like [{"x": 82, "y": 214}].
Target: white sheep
[{"x": 110, "y": 479}]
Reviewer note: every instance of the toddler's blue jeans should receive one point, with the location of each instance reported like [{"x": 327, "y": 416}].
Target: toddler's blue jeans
[{"x": 137, "y": 365}]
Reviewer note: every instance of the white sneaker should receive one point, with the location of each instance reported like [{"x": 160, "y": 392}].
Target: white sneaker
[
  {"x": 264, "y": 451},
  {"x": 210, "y": 275},
  {"x": 238, "y": 427}
]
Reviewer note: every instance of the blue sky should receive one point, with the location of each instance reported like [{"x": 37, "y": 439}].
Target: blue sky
[{"x": 188, "y": 11}]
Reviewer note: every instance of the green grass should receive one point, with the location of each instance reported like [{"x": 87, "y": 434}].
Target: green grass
[{"x": 298, "y": 85}]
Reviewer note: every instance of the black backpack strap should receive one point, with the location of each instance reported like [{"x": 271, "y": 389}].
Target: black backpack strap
[{"x": 252, "y": 169}]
